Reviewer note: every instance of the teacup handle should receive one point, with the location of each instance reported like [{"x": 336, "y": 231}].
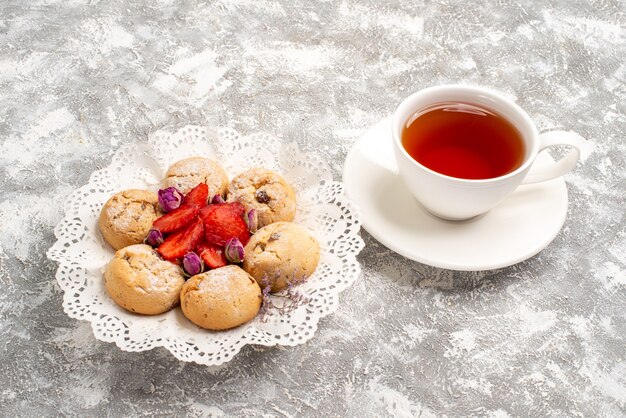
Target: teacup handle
[{"x": 558, "y": 168}]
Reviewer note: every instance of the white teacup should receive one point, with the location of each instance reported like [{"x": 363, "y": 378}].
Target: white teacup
[{"x": 455, "y": 198}]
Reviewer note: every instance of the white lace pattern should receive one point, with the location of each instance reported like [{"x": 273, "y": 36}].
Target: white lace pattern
[{"x": 322, "y": 207}]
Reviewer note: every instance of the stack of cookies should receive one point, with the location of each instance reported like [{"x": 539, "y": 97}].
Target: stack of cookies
[{"x": 213, "y": 246}]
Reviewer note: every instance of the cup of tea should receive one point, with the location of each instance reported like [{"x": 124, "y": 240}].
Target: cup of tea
[{"x": 461, "y": 150}]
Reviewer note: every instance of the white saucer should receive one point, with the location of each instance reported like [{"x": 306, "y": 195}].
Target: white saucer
[{"x": 521, "y": 226}]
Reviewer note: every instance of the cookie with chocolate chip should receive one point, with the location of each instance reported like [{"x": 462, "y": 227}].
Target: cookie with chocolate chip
[
  {"x": 138, "y": 280},
  {"x": 221, "y": 298},
  {"x": 127, "y": 217},
  {"x": 188, "y": 173},
  {"x": 280, "y": 254},
  {"x": 265, "y": 191}
]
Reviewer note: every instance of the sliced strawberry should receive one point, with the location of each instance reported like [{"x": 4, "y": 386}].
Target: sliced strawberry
[
  {"x": 236, "y": 208},
  {"x": 212, "y": 255},
  {"x": 223, "y": 222},
  {"x": 176, "y": 219},
  {"x": 203, "y": 213},
  {"x": 198, "y": 195},
  {"x": 180, "y": 243}
]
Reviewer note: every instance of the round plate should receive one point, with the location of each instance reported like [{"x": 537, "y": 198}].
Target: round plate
[
  {"x": 521, "y": 226},
  {"x": 322, "y": 208}
]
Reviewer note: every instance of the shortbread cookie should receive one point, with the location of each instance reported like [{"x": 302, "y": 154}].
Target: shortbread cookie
[
  {"x": 127, "y": 217},
  {"x": 281, "y": 253},
  {"x": 265, "y": 191},
  {"x": 188, "y": 173},
  {"x": 220, "y": 299},
  {"x": 139, "y": 281}
]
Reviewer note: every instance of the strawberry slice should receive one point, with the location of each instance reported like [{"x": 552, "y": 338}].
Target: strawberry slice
[
  {"x": 223, "y": 222},
  {"x": 198, "y": 195},
  {"x": 176, "y": 219},
  {"x": 212, "y": 255},
  {"x": 234, "y": 208},
  {"x": 204, "y": 212},
  {"x": 180, "y": 243}
]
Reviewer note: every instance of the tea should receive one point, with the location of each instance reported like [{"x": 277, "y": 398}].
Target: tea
[{"x": 464, "y": 141}]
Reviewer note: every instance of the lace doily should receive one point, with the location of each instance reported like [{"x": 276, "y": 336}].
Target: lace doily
[{"x": 322, "y": 207}]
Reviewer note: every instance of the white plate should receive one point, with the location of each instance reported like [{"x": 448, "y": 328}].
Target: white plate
[
  {"x": 521, "y": 226},
  {"x": 322, "y": 208}
]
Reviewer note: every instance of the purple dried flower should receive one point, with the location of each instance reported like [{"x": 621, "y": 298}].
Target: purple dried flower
[
  {"x": 267, "y": 303},
  {"x": 252, "y": 220},
  {"x": 233, "y": 250},
  {"x": 154, "y": 238},
  {"x": 192, "y": 264},
  {"x": 296, "y": 297},
  {"x": 217, "y": 199},
  {"x": 292, "y": 298},
  {"x": 170, "y": 199}
]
